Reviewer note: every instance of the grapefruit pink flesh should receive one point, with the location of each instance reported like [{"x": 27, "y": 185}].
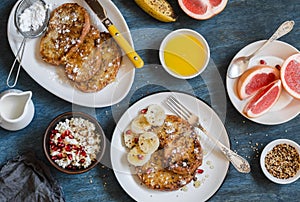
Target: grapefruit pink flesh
[
  {"x": 292, "y": 75},
  {"x": 215, "y": 3},
  {"x": 202, "y": 9},
  {"x": 263, "y": 100},
  {"x": 258, "y": 81},
  {"x": 195, "y": 6},
  {"x": 254, "y": 79}
]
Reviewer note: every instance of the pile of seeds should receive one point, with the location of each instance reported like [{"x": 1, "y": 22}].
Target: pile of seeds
[{"x": 283, "y": 161}]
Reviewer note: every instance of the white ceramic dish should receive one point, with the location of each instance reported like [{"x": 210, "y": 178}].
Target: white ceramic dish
[
  {"x": 53, "y": 78},
  {"x": 183, "y": 32},
  {"x": 268, "y": 148},
  {"x": 215, "y": 165},
  {"x": 286, "y": 107}
]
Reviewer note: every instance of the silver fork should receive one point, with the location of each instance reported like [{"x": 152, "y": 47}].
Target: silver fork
[{"x": 237, "y": 161}]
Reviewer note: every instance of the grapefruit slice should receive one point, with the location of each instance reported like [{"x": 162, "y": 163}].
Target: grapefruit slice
[
  {"x": 202, "y": 9},
  {"x": 263, "y": 101},
  {"x": 290, "y": 75},
  {"x": 254, "y": 79}
]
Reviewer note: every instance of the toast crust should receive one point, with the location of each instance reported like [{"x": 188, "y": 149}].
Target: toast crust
[
  {"x": 175, "y": 163},
  {"x": 111, "y": 57},
  {"x": 67, "y": 28},
  {"x": 154, "y": 175},
  {"x": 86, "y": 60}
]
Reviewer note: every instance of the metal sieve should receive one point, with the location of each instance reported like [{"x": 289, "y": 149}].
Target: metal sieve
[{"x": 25, "y": 4}]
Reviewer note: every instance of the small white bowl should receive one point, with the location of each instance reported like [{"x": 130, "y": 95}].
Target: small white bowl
[
  {"x": 268, "y": 148},
  {"x": 184, "y": 32}
]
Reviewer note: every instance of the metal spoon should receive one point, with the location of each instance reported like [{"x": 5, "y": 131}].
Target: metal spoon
[
  {"x": 240, "y": 64},
  {"x": 32, "y": 33}
]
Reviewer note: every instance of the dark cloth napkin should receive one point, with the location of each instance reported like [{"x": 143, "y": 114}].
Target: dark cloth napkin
[{"x": 27, "y": 179}]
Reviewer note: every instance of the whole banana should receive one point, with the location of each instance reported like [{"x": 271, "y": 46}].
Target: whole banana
[{"x": 159, "y": 9}]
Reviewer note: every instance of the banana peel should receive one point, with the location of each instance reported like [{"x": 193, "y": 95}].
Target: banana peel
[{"x": 160, "y": 10}]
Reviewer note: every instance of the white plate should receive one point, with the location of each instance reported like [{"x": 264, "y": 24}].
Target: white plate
[
  {"x": 53, "y": 78},
  {"x": 215, "y": 165},
  {"x": 274, "y": 54}
]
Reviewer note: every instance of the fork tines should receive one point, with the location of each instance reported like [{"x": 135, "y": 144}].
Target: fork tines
[{"x": 177, "y": 107}]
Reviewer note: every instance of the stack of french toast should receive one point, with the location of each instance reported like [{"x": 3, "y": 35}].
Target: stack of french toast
[
  {"x": 91, "y": 58},
  {"x": 164, "y": 149}
]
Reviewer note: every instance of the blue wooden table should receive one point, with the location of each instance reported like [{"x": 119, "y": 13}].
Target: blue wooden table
[{"x": 242, "y": 22}]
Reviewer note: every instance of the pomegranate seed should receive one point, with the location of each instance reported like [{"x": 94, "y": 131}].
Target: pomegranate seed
[
  {"x": 68, "y": 148},
  {"x": 59, "y": 156},
  {"x": 128, "y": 132},
  {"x": 144, "y": 111},
  {"x": 51, "y": 136},
  {"x": 54, "y": 131},
  {"x": 262, "y": 62},
  {"x": 140, "y": 157},
  {"x": 53, "y": 158},
  {"x": 61, "y": 145},
  {"x": 59, "y": 139},
  {"x": 70, "y": 156},
  {"x": 200, "y": 171},
  {"x": 83, "y": 153},
  {"x": 136, "y": 140},
  {"x": 82, "y": 161},
  {"x": 67, "y": 132},
  {"x": 278, "y": 67},
  {"x": 51, "y": 142},
  {"x": 149, "y": 170},
  {"x": 69, "y": 166},
  {"x": 71, "y": 136},
  {"x": 54, "y": 148},
  {"x": 74, "y": 147}
]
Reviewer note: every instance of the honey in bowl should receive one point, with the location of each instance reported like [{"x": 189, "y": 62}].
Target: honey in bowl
[{"x": 184, "y": 53}]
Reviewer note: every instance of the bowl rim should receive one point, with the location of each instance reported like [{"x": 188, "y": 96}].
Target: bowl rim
[
  {"x": 268, "y": 148},
  {"x": 69, "y": 115},
  {"x": 189, "y": 32}
]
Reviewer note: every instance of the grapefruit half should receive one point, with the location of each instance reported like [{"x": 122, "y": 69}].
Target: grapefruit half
[
  {"x": 202, "y": 9},
  {"x": 254, "y": 79},
  {"x": 290, "y": 75},
  {"x": 263, "y": 100}
]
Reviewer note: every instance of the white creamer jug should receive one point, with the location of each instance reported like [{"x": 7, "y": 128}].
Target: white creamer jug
[{"x": 16, "y": 109}]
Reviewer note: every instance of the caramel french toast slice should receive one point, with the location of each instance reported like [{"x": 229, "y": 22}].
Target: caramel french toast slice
[
  {"x": 183, "y": 155},
  {"x": 111, "y": 57},
  {"x": 173, "y": 127},
  {"x": 67, "y": 28},
  {"x": 154, "y": 175},
  {"x": 82, "y": 64}
]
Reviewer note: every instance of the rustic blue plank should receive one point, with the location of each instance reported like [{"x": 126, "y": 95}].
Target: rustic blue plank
[{"x": 241, "y": 23}]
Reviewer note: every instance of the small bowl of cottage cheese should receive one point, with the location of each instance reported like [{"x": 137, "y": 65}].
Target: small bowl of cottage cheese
[{"x": 74, "y": 142}]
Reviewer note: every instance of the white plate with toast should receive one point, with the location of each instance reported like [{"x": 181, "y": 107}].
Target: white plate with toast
[
  {"x": 214, "y": 164},
  {"x": 53, "y": 78},
  {"x": 274, "y": 54}
]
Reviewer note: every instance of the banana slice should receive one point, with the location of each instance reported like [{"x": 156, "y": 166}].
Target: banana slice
[
  {"x": 160, "y": 10},
  {"x": 130, "y": 138},
  {"x": 155, "y": 115},
  {"x": 137, "y": 157},
  {"x": 148, "y": 142},
  {"x": 140, "y": 124}
]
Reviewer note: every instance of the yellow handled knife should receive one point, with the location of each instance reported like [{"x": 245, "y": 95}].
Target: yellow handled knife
[{"x": 114, "y": 32}]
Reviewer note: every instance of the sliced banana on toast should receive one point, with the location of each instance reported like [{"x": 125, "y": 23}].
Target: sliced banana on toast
[
  {"x": 155, "y": 115},
  {"x": 131, "y": 139},
  {"x": 140, "y": 124},
  {"x": 148, "y": 142},
  {"x": 137, "y": 157}
]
